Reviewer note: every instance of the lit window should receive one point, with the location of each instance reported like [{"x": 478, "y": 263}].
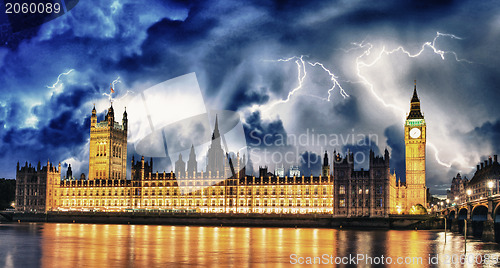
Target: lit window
[{"x": 342, "y": 189}]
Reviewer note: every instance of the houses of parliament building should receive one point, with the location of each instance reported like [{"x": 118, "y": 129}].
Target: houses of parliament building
[{"x": 224, "y": 187}]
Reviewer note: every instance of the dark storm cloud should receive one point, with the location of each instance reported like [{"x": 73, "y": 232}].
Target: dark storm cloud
[
  {"x": 263, "y": 134},
  {"x": 416, "y": 11},
  {"x": 485, "y": 135},
  {"x": 165, "y": 49},
  {"x": 361, "y": 152},
  {"x": 346, "y": 110},
  {"x": 246, "y": 97},
  {"x": 14, "y": 112},
  {"x": 83, "y": 40},
  {"x": 310, "y": 163},
  {"x": 226, "y": 43},
  {"x": 395, "y": 140},
  {"x": 73, "y": 98},
  {"x": 65, "y": 130}
]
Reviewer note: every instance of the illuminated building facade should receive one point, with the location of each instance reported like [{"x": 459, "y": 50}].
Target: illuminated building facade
[
  {"x": 108, "y": 147},
  {"x": 35, "y": 186},
  {"x": 223, "y": 187},
  {"x": 407, "y": 197},
  {"x": 415, "y": 137},
  {"x": 457, "y": 193},
  {"x": 485, "y": 181}
]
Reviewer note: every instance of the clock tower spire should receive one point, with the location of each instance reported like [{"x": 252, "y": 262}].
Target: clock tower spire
[
  {"x": 415, "y": 112},
  {"x": 415, "y": 138}
]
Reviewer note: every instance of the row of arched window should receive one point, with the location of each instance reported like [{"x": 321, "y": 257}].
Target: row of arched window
[
  {"x": 101, "y": 174},
  {"x": 115, "y": 152},
  {"x": 101, "y": 149}
]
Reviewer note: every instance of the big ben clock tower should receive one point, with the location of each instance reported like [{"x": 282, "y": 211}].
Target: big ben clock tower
[{"x": 415, "y": 135}]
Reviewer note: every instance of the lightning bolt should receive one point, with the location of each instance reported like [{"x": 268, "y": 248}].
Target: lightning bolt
[
  {"x": 436, "y": 155},
  {"x": 59, "y": 79},
  {"x": 360, "y": 63},
  {"x": 334, "y": 80},
  {"x": 116, "y": 81},
  {"x": 126, "y": 94},
  {"x": 368, "y": 49},
  {"x": 109, "y": 95},
  {"x": 301, "y": 75}
]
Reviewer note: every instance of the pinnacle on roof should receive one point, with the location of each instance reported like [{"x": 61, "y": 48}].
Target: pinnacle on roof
[
  {"x": 216, "y": 134},
  {"x": 415, "y": 95},
  {"x": 415, "y": 112}
]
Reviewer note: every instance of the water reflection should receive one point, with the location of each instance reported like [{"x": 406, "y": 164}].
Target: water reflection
[{"x": 100, "y": 245}]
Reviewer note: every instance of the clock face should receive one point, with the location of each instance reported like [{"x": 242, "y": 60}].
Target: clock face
[{"x": 415, "y": 132}]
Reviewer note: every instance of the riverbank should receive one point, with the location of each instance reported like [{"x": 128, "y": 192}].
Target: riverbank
[{"x": 246, "y": 220}]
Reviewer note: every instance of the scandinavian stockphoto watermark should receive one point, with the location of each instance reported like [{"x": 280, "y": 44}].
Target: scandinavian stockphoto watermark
[
  {"x": 307, "y": 148},
  {"x": 366, "y": 259},
  {"x": 311, "y": 138}
]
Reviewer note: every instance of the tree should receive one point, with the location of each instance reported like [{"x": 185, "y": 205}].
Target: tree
[
  {"x": 418, "y": 210},
  {"x": 7, "y": 193}
]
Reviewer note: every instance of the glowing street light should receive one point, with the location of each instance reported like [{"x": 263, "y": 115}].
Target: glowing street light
[
  {"x": 490, "y": 186},
  {"x": 447, "y": 202},
  {"x": 469, "y": 192}
]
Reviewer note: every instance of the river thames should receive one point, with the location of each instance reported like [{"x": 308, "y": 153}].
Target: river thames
[{"x": 105, "y": 245}]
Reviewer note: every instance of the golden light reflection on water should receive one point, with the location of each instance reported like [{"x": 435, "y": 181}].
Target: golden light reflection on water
[{"x": 100, "y": 245}]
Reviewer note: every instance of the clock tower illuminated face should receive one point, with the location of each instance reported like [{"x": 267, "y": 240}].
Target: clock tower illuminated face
[
  {"x": 415, "y": 138},
  {"x": 415, "y": 133}
]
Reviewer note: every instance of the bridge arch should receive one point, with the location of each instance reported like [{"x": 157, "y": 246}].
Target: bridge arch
[
  {"x": 452, "y": 215},
  {"x": 478, "y": 216},
  {"x": 462, "y": 216},
  {"x": 496, "y": 220}
]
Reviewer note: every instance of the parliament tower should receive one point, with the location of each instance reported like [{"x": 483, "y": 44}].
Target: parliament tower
[
  {"x": 415, "y": 136},
  {"x": 108, "y": 147}
]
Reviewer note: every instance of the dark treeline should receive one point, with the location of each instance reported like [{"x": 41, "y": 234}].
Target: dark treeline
[{"x": 7, "y": 193}]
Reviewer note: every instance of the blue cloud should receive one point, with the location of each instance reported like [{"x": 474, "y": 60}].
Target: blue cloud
[
  {"x": 225, "y": 43},
  {"x": 310, "y": 164},
  {"x": 255, "y": 130},
  {"x": 395, "y": 140}
]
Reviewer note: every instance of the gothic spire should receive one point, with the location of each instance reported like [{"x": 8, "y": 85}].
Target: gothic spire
[
  {"x": 415, "y": 95},
  {"x": 415, "y": 112},
  {"x": 216, "y": 133}
]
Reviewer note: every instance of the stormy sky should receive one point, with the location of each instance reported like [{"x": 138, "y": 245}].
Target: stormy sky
[{"x": 337, "y": 69}]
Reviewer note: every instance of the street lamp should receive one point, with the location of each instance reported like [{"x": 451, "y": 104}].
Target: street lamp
[
  {"x": 447, "y": 202},
  {"x": 469, "y": 192},
  {"x": 490, "y": 186}
]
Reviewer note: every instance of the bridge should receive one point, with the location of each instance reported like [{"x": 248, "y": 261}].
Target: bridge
[{"x": 482, "y": 216}]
